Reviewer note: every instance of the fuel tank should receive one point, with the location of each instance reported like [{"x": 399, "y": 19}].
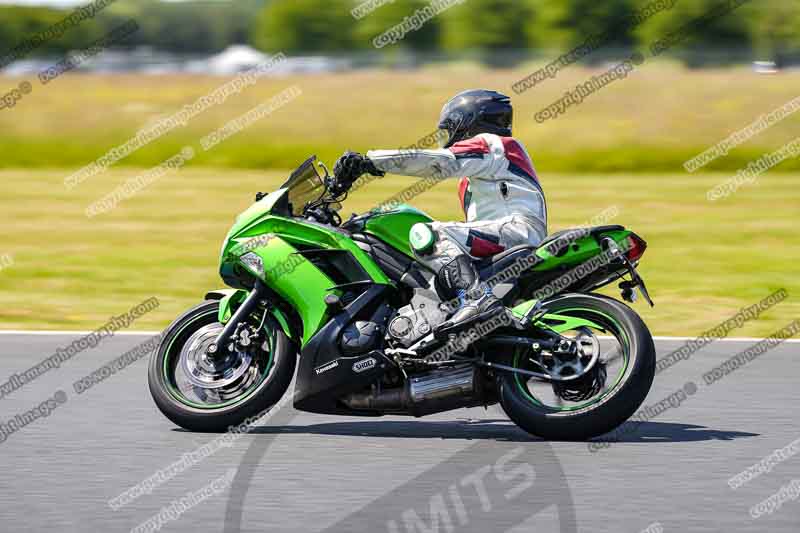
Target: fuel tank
[{"x": 393, "y": 226}]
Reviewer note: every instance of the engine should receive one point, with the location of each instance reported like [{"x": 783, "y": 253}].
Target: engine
[
  {"x": 430, "y": 391},
  {"x": 418, "y": 318}
]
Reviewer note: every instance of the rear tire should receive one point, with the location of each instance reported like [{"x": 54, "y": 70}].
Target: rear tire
[
  {"x": 609, "y": 411},
  {"x": 265, "y": 395}
]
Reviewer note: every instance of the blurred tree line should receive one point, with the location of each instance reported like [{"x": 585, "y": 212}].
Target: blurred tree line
[
  {"x": 181, "y": 27},
  {"x": 768, "y": 29}
]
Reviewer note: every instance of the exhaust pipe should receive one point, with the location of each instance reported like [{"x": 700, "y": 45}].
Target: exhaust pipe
[{"x": 434, "y": 392}]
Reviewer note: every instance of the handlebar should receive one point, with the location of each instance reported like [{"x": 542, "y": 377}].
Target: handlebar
[
  {"x": 320, "y": 210},
  {"x": 336, "y": 190}
]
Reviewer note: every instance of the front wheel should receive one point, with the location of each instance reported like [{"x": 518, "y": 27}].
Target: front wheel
[
  {"x": 606, "y": 396},
  {"x": 201, "y": 394}
]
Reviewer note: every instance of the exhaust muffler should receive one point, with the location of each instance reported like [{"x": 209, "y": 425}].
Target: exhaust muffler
[{"x": 434, "y": 392}]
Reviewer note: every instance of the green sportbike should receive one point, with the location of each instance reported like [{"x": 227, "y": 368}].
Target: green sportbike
[{"x": 347, "y": 306}]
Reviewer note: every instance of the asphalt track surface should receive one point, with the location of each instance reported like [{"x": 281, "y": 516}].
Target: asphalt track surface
[{"x": 468, "y": 470}]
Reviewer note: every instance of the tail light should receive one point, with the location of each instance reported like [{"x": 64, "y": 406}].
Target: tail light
[{"x": 636, "y": 248}]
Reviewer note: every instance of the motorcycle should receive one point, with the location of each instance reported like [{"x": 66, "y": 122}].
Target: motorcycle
[{"x": 349, "y": 307}]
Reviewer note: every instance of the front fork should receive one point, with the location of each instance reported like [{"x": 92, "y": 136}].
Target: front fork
[{"x": 256, "y": 296}]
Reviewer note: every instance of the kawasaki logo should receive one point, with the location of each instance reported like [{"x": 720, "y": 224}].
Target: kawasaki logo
[
  {"x": 366, "y": 364},
  {"x": 326, "y": 367}
]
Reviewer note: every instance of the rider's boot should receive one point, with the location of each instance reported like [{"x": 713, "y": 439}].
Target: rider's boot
[{"x": 476, "y": 302}]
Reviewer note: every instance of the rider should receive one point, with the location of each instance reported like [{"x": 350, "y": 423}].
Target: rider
[{"x": 500, "y": 195}]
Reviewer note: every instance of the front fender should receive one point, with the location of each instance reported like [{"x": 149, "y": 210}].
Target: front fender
[{"x": 232, "y": 298}]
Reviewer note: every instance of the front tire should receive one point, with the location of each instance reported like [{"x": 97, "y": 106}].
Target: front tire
[
  {"x": 182, "y": 403},
  {"x": 613, "y": 406}
]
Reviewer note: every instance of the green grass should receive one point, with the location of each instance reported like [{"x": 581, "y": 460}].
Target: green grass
[
  {"x": 704, "y": 261},
  {"x": 650, "y": 122},
  {"x": 623, "y": 146}
]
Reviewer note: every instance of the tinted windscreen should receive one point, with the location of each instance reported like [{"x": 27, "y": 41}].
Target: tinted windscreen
[{"x": 305, "y": 185}]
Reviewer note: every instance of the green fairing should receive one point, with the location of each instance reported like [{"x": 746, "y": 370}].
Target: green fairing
[
  {"x": 298, "y": 282},
  {"x": 255, "y": 212},
  {"x": 580, "y": 251},
  {"x": 275, "y": 239},
  {"x": 232, "y": 298},
  {"x": 257, "y": 222},
  {"x": 393, "y": 227},
  {"x": 520, "y": 310},
  {"x": 567, "y": 323}
]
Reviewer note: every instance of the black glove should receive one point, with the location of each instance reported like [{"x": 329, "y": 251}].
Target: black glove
[{"x": 352, "y": 166}]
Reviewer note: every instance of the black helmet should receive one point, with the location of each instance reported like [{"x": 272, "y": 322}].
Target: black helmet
[{"x": 476, "y": 111}]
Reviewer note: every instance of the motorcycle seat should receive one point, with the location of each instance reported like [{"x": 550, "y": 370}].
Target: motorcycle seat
[
  {"x": 491, "y": 266},
  {"x": 495, "y": 264},
  {"x": 589, "y": 231}
]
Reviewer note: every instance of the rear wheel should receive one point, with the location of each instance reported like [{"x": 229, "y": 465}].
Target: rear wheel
[
  {"x": 201, "y": 394},
  {"x": 619, "y": 351}
]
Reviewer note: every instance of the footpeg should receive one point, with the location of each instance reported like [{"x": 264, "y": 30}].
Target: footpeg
[{"x": 533, "y": 314}]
